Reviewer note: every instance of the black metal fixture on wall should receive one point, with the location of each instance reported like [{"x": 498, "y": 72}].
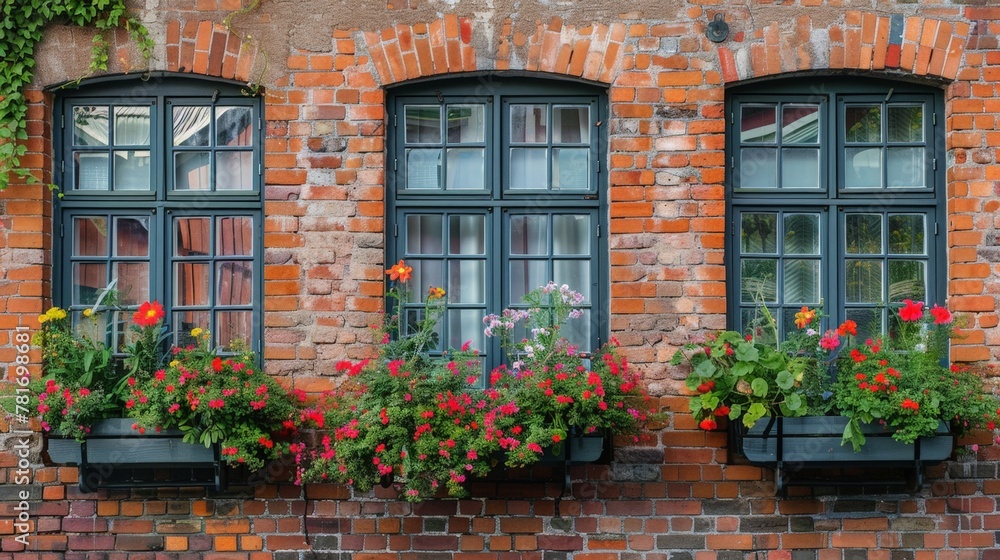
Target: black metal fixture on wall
[{"x": 717, "y": 29}]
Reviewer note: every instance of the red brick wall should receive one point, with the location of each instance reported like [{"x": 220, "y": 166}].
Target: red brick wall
[{"x": 324, "y": 253}]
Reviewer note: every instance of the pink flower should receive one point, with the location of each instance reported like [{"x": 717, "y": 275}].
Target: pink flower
[{"x": 830, "y": 340}]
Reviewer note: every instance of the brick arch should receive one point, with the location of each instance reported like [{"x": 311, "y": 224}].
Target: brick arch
[
  {"x": 448, "y": 45},
  {"x": 863, "y": 41},
  {"x": 208, "y": 48}
]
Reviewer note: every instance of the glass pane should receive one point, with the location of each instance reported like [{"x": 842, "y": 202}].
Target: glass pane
[
  {"x": 759, "y": 233},
  {"x": 191, "y": 125},
  {"x": 234, "y": 282},
  {"x": 799, "y": 168},
  {"x": 869, "y": 321},
  {"x": 466, "y": 282},
  {"x": 133, "y": 282},
  {"x": 863, "y": 167},
  {"x": 801, "y": 281},
  {"x": 528, "y": 168},
  {"x": 577, "y": 331},
  {"x": 465, "y": 325},
  {"x": 423, "y": 168},
  {"x": 131, "y": 237},
  {"x": 864, "y": 281},
  {"x": 423, "y": 124},
  {"x": 571, "y": 168},
  {"x": 571, "y": 125},
  {"x": 132, "y": 170},
  {"x": 426, "y": 274},
  {"x": 573, "y": 273},
  {"x": 800, "y": 124},
  {"x": 90, "y": 237},
  {"x": 864, "y": 234},
  {"x": 234, "y": 236},
  {"x": 863, "y": 123},
  {"x": 423, "y": 234},
  {"x": 191, "y": 171},
  {"x": 94, "y": 327},
  {"x": 801, "y": 234},
  {"x": 465, "y": 169},
  {"x": 905, "y": 123},
  {"x": 758, "y": 123},
  {"x": 89, "y": 280},
  {"x": 191, "y": 284},
  {"x": 233, "y": 171},
  {"x": 185, "y": 321},
  {"x": 907, "y": 280},
  {"x": 192, "y": 237},
  {"x": 233, "y": 327},
  {"x": 571, "y": 234},
  {"x": 528, "y": 123},
  {"x": 526, "y": 276},
  {"x": 131, "y": 126},
  {"x": 758, "y": 168},
  {"x": 528, "y": 235},
  {"x": 753, "y": 321},
  {"x": 90, "y": 126},
  {"x": 466, "y": 123},
  {"x": 467, "y": 235},
  {"x": 759, "y": 280},
  {"x": 905, "y": 167},
  {"x": 233, "y": 126},
  {"x": 90, "y": 171},
  {"x": 906, "y": 234}
]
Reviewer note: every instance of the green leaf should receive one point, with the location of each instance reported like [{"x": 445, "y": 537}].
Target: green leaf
[
  {"x": 746, "y": 352},
  {"x": 759, "y": 387},
  {"x": 793, "y": 402},
  {"x": 755, "y": 412},
  {"x": 785, "y": 380}
]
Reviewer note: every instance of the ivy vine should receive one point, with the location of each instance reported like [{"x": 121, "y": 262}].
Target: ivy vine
[{"x": 21, "y": 28}]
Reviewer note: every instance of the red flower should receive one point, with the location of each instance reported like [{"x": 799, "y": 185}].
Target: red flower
[
  {"x": 556, "y": 438},
  {"x": 149, "y": 314},
  {"x": 848, "y": 327},
  {"x": 911, "y": 311},
  {"x": 217, "y": 364},
  {"x": 708, "y": 424},
  {"x": 216, "y": 403},
  {"x": 910, "y": 404},
  {"x": 723, "y": 410},
  {"x": 941, "y": 315}
]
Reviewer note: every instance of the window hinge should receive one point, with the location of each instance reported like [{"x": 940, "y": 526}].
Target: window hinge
[
  {"x": 934, "y": 161},
  {"x": 934, "y": 119},
  {"x": 935, "y": 228},
  {"x": 260, "y": 123},
  {"x": 598, "y": 231},
  {"x": 395, "y": 163},
  {"x": 732, "y": 162},
  {"x": 62, "y": 166},
  {"x": 732, "y": 117},
  {"x": 395, "y": 120},
  {"x": 62, "y": 121},
  {"x": 395, "y": 230},
  {"x": 62, "y": 229},
  {"x": 598, "y": 166},
  {"x": 260, "y": 169}
]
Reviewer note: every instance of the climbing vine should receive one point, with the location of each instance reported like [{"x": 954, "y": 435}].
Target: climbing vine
[{"x": 21, "y": 28}]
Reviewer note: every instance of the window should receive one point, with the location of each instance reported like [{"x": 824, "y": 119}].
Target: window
[
  {"x": 162, "y": 199},
  {"x": 835, "y": 199},
  {"x": 496, "y": 188}
]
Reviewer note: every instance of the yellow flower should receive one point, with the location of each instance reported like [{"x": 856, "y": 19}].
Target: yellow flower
[
  {"x": 42, "y": 319},
  {"x": 56, "y": 313},
  {"x": 88, "y": 312},
  {"x": 195, "y": 332},
  {"x": 173, "y": 363},
  {"x": 435, "y": 293}
]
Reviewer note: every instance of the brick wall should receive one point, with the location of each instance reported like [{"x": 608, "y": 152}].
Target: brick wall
[{"x": 683, "y": 497}]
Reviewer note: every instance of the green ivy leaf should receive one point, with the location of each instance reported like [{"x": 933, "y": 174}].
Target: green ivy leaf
[
  {"x": 785, "y": 380},
  {"x": 759, "y": 387}
]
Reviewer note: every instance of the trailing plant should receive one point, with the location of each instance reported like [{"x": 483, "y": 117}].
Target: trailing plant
[{"x": 21, "y": 29}]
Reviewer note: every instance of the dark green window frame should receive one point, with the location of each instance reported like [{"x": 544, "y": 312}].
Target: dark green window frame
[
  {"x": 835, "y": 197},
  {"x": 532, "y": 207},
  {"x": 209, "y": 275}
]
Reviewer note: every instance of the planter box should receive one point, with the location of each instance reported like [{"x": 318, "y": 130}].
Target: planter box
[
  {"x": 116, "y": 456},
  {"x": 576, "y": 450}
]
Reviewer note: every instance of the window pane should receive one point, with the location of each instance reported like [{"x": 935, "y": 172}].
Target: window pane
[
  {"x": 234, "y": 236},
  {"x": 577, "y": 331},
  {"x": 907, "y": 280},
  {"x": 191, "y": 171},
  {"x": 89, "y": 280},
  {"x": 905, "y": 167},
  {"x": 528, "y": 235},
  {"x": 465, "y": 325},
  {"x": 191, "y": 285},
  {"x": 759, "y": 280},
  {"x": 799, "y": 168},
  {"x": 758, "y": 168},
  {"x": 863, "y": 123},
  {"x": 801, "y": 234},
  {"x": 758, "y": 123},
  {"x": 528, "y": 168},
  {"x": 466, "y": 282},
  {"x": 801, "y": 281},
  {"x": 423, "y": 234},
  {"x": 864, "y": 234},
  {"x": 234, "y": 282},
  {"x": 90, "y": 237},
  {"x": 800, "y": 124},
  {"x": 131, "y": 237},
  {"x": 132, "y": 126},
  {"x": 573, "y": 273},
  {"x": 525, "y": 276},
  {"x": 753, "y": 321},
  {"x": 423, "y": 124},
  {"x": 759, "y": 233},
  {"x": 467, "y": 235},
  {"x": 906, "y": 234},
  {"x": 133, "y": 282},
  {"x": 864, "y": 281},
  {"x": 232, "y": 327},
  {"x": 528, "y": 123},
  {"x": 426, "y": 274},
  {"x": 234, "y": 171},
  {"x": 571, "y": 125},
  {"x": 571, "y": 168},
  {"x": 233, "y": 126},
  {"x": 132, "y": 170},
  {"x": 863, "y": 167},
  {"x": 571, "y": 234},
  {"x": 423, "y": 168},
  {"x": 905, "y": 123},
  {"x": 465, "y": 169},
  {"x": 191, "y": 125},
  {"x": 466, "y": 123},
  {"x": 869, "y": 321},
  {"x": 192, "y": 237},
  {"x": 90, "y": 126},
  {"x": 90, "y": 171},
  {"x": 185, "y": 321}
]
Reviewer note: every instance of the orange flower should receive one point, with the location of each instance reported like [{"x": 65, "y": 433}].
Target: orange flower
[
  {"x": 848, "y": 327},
  {"x": 399, "y": 271},
  {"x": 435, "y": 293},
  {"x": 149, "y": 314},
  {"x": 804, "y": 317}
]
